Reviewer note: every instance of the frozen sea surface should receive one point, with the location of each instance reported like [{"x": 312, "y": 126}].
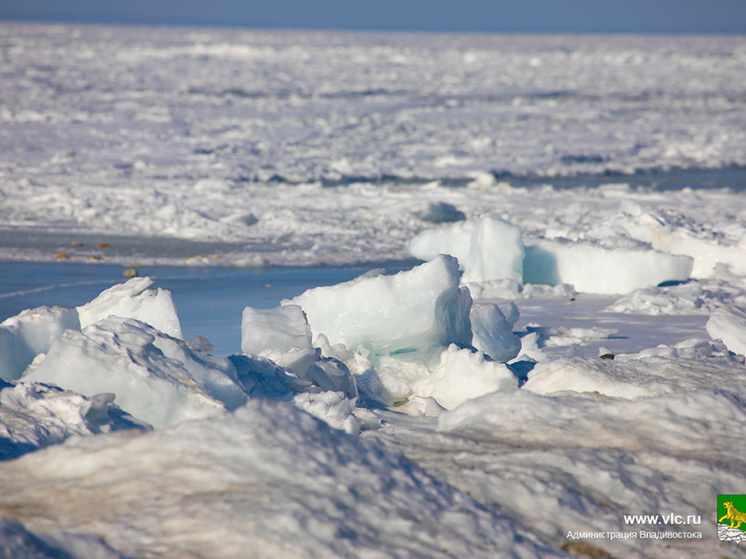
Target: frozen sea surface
[{"x": 237, "y": 169}]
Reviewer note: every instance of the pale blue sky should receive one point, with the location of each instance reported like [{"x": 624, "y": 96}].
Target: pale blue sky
[{"x": 570, "y": 16}]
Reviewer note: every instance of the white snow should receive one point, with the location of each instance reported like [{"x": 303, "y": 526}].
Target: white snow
[{"x": 280, "y": 483}]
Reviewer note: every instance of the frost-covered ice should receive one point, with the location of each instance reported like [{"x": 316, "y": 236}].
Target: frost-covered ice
[{"x": 586, "y": 363}]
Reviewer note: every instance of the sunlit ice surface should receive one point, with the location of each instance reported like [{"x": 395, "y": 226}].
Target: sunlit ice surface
[{"x": 477, "y": 414}]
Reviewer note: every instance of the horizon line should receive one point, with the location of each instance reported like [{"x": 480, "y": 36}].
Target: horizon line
[{"x": 466, "y": 30}]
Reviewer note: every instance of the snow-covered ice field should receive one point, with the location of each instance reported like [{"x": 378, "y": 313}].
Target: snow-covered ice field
[{"x": 398, "y": 295}]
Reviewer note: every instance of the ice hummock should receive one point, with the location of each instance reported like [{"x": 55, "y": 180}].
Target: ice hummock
[
  {"x": 490, "y": 248},
  {"x": 33, "y": 332},
  {"x": 410, "y": 312},
  {"x": 34, "y": 415},
  {"x": 155, "y": 377},
  {"x": 113, "y": 344},
  {"x": 729, "y": 325},
  {"x": 409, "y": 336},
  {"x": 492, "y": 331},
  {"x": 591, "y": 268},
  {"x": 391, "y": 339}
]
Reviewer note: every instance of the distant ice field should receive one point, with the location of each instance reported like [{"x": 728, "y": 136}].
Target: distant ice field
[{"x": 254, "y": 148}]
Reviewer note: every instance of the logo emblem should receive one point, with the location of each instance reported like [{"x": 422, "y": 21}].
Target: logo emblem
[{"x": 732, "y": 518}]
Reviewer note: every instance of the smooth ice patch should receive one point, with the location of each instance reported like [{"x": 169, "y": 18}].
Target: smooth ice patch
[{"x": 591, "y": 268}]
